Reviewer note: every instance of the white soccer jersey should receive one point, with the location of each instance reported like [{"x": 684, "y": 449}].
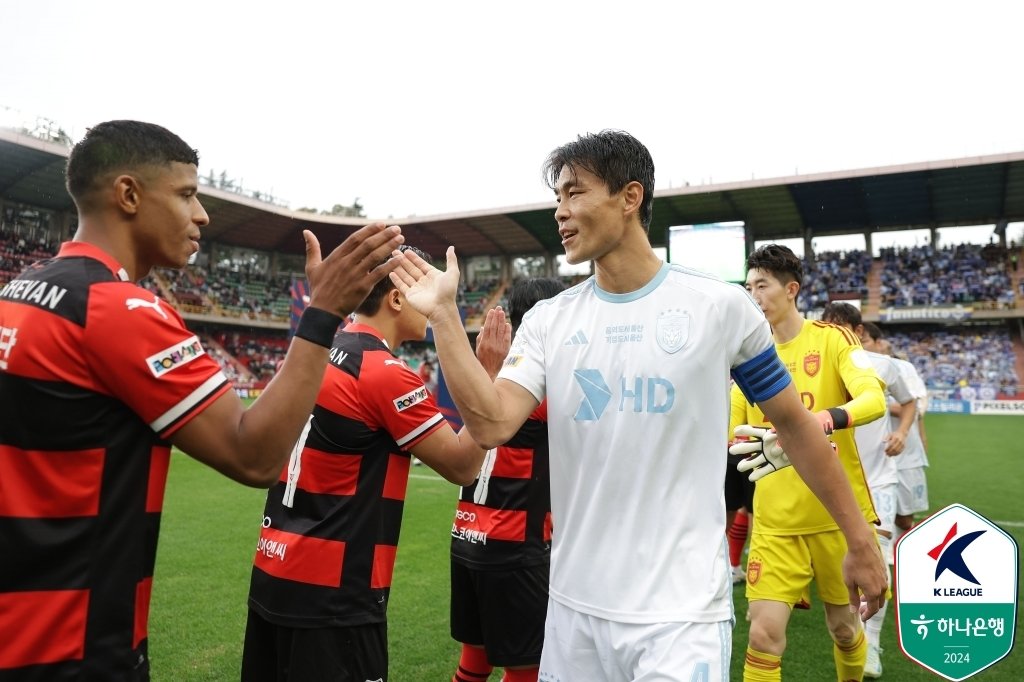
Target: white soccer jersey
[
  {"x": 638, "y": 410},
  {"x": 879, "y": 468},
  {"x": 914, "y": 454}
]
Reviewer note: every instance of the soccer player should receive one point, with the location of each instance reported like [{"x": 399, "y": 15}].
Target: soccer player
[
  {"x": 501, "y": 536},
  {"x": 739, "y": 505},
  {"x": 634, "y": 363},
  {"x": 322, "y": 572},
  {"x": 794, "y": 539},
  {"x": 98, "y": 377},
  {"x": 880, "y": 447},
  {"x": 912, "y": 492}
]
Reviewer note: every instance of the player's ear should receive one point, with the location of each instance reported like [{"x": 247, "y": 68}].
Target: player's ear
[
  {"x": 632, "y": 197},
  {"x": 395, "y": 300},
  {"x": 127, "y": 192}
]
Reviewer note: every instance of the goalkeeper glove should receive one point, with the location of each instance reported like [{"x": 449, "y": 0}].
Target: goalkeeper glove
[{"x": 764, "y": 454}]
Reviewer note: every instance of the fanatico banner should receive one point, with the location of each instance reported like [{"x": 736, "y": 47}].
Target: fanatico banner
[
  {"x": 955, "y": 313},
  {"x": 956, "y": 593}
]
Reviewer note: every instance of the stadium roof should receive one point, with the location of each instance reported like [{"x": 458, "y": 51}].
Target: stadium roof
[{"x": 966, "y": 191}]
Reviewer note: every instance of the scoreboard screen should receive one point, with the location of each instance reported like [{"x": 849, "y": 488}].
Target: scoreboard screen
[{"x": 719, "y": 249}]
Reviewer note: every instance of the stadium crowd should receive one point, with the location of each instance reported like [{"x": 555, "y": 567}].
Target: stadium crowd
[
  {"x": 913, "y": 276},
  {"x": 962, "y": 274}
]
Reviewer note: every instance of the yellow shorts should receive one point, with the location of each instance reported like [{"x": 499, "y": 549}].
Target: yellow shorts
[{"x": 781, "y": 567}]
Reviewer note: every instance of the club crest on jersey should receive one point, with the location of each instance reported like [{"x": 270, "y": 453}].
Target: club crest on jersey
[
  {"x": 411, "y": 398},
  {"x": 812, "y": 363},
  {"x": 174, "y": 356},
  {"x": 753, "y": 572},
  {"x": 672, "y": 329}
]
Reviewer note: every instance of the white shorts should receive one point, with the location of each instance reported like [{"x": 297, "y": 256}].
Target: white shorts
[
  {"x": 884, "y": 499},
  {"x": 912, "y": 495},
  {"x": 578, "y": 646}
]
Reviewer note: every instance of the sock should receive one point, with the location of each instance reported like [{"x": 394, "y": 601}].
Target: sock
[
  {"x": 737, "y": 536},
  {"x": 473, "y": 665},
  {"x": 850, "y": 658},
  {"x": 873, "y": 628},
  {"x": 761, "y": 667},
  {"x": 521, "y": 675}
]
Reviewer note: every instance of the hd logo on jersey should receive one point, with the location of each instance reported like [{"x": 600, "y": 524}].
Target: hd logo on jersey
[
  {"x": 635, "y": 394},
  {"x": 956, "y": 593},
  {"x": 175, "y": 356},
  {"x": 406, "y": 401}
]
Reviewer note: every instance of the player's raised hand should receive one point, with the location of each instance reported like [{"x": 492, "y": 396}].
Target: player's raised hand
[
  {"x": 426, "y": 288},
  {"x": 340, "y": 282},
  {"x": 493, "y": 341}
]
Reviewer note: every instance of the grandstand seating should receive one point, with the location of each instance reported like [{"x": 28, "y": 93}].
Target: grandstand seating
[
  {"x": 981, "y": 358},
  {"x": 985, "y": 277}
]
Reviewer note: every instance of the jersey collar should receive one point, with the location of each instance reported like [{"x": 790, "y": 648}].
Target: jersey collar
[
  {"x": 87, "y": 250},
  {"x": 658, "y": 278},
  {"x": 360, "y": 328}
]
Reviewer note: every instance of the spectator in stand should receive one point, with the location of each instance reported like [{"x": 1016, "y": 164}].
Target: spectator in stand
[
  {"x": 501, "y": 536},
  {"x": 80, "y": 497}
]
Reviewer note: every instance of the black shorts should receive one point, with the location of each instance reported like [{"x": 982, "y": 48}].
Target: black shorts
[
  {"x": 277, "y": 653},
  {"x": 501, "y": 610},
  {"x": 739, "y": 491}
]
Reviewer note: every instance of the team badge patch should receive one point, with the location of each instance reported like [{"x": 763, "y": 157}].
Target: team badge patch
[
  {"x": 672, "y": 330},
  {"x": 753, "y": 572},
  {"x": 812, "y": 363}
]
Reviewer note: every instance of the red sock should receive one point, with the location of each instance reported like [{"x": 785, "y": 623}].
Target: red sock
[
  {"x": 473, "y": 665},
  {"x": 521, "y": 675},
  {"x": 738, "y": 536}
]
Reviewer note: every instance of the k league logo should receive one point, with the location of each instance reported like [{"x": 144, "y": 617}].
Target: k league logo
[{"x": 956, "y": 593}]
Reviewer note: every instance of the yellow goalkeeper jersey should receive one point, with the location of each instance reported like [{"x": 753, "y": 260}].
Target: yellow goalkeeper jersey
[{"x": 829, "y": 368}]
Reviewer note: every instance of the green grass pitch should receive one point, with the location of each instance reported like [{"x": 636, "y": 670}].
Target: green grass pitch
[{"x": 210, "y": 526}]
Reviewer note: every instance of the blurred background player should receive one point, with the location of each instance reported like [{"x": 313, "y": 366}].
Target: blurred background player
[
  {"x": 794, "y": 539},
  {"x": 880, "y": 446},
  {"x": 501, "y": 536},
  {"x": 81, "y": 495},
  {"x": 321, "y": 577},
  {"x": 912, "y": 492}
]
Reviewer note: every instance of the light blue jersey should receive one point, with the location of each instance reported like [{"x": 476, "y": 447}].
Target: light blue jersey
[{"x": 638, "y": 409}]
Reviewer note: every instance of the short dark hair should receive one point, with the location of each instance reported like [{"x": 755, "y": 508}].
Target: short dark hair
[
  {"x": 524, "y": 294},
  {"x": 371, "y": 304},
  {"x": 874, "y": 331},
  {"x": 615, "y": 156},
  {"x": 841, "y": 313},
  {"x": 122, "y": 146},
  {"x": 779, "y": 260}
]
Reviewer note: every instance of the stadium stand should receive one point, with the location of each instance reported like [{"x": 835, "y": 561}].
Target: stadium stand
[{"x": 238, "y": 295}]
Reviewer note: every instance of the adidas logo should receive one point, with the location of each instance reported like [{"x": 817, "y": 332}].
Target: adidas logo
[{"x": 577, "y": 339}]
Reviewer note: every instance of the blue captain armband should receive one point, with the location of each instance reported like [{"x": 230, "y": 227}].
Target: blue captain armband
[{"x": 761, "y": 377}]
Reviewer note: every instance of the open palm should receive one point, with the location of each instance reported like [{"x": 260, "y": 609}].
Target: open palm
[{"x": 425, "y": 287}]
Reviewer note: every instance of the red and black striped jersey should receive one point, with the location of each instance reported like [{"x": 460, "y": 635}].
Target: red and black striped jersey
[
  {"x": 504, "y": 518},
  {"x": 326, "y": 552},
  {"x": 95, "y": 373}
]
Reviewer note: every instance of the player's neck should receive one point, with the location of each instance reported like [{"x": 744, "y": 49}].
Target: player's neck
[
  {"x": 629, "y": 267},
  {"x": 786, "y": 328}
]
